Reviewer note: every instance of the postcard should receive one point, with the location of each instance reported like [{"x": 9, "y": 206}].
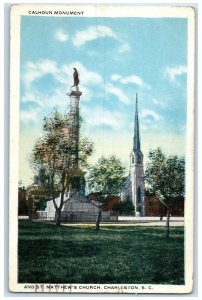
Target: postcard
[{"x": 101, "y": 149}]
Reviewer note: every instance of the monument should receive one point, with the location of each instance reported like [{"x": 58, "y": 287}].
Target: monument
[
  {"x": 78, "y": 181},
  {"x": 77, "y": 208}
]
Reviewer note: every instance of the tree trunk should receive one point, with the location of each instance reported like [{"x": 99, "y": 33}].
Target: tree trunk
[
  {"x": 98, "y": 219},
  {"x": 30, "y": 208},
  {"x": 168, "y": 223},
  {"x": 57, "y": 217}
]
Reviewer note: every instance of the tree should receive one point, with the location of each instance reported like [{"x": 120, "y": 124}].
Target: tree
[
  {"x": 55, "y": 153},
  {"x": 105, "y": 181},
  {"x": 22, "y": 202},
  {"x": 41, "y": 203},
  {"x": 165, "y": 177}
]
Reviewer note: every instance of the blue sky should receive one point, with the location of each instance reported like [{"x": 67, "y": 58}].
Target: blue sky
[{"x": 116, "y": 58}]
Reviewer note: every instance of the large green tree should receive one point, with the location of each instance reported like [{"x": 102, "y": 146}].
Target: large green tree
[
  {"x": 165, "y": 176},
  {"x": 55, "y": 151},
  {"x": 105, "y": 181}
]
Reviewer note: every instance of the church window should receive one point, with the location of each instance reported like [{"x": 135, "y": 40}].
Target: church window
[{"x": 138, "y": 158}]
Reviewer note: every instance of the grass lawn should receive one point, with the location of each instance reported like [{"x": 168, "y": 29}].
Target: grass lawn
[{"x": 114, "y": 254}]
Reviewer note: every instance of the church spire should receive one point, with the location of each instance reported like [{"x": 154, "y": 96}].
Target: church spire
[{"x": 136, "y": 138}]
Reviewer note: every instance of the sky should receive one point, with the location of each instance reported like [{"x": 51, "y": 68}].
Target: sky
[{"x": 116, "y": 58}]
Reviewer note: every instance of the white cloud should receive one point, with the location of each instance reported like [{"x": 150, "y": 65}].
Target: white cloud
[
  {"x": 145, "y": 113},
  {"x": 162, "y": 103},
  {"x": 149, "y": 119},
  {"x": 34, "y": 71},
  {"x": 61, "y": 36},
  {"x": 124, "y": 47},
  {"x": 58, "y": 98},
  {"x": 130, "y": 79},
  {"x": 99, "y": 117},
  {"x": 32, "y": 96},
  {"x": 155, "y": 101},
  {"x": 30, "y": 116},
  {"x": 118, "y": 93},
  {"x": 116, "y": 77},
  {"x": 105, "y": 119},
  {"x": 92, "y": 33},
  {"x": 173, "y": 72}
]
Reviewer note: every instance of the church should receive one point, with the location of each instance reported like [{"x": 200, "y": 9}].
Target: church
[{"x": 134, "y": 188}]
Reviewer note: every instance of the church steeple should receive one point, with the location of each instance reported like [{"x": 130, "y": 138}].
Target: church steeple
[
  {"x": 136, "y": 138},
  {"x": 136, "y": 169}
]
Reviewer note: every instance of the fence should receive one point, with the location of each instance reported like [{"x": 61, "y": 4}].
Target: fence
[{"x": 73, "y": 217}]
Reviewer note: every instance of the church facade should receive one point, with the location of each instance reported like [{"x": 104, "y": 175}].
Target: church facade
[{"x": 134, "y": 188}]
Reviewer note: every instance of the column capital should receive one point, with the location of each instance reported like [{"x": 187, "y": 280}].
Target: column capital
[{"x": 74, "y": 91}]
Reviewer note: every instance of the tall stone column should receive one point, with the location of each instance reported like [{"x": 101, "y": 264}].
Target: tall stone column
[
  {"x": 78, "y": 180},
  {"x": 74, "y": 95}
]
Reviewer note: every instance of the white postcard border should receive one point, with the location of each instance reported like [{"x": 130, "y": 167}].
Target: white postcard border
[{"x": 99, "y": 11}]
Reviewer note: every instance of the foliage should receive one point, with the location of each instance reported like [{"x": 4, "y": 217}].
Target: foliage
[
  {"x": 80, "y": 255},
  {"x": 105, "y": 180},
  {"x": 54, "y": 155},
  {"x": 107, "y": 176},
  {"x": 41, "y": 203},
  {"x": 22, "y": 202},
  {"x": 165, "y": 177}
]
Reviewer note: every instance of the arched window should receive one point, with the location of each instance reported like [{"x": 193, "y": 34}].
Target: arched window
[{"x": 138, "y": 158}]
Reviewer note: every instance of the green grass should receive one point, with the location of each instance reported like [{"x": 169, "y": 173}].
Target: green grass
[{"x": 115, "y": 254}]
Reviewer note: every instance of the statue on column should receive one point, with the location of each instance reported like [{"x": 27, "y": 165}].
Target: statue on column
[{"x": 76, "y": 77}]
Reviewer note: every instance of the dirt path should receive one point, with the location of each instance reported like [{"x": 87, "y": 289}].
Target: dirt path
[{"x": 151, "y": 223}]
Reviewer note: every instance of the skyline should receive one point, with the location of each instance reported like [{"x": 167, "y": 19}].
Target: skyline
[{"x": 116, "y": 58}]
